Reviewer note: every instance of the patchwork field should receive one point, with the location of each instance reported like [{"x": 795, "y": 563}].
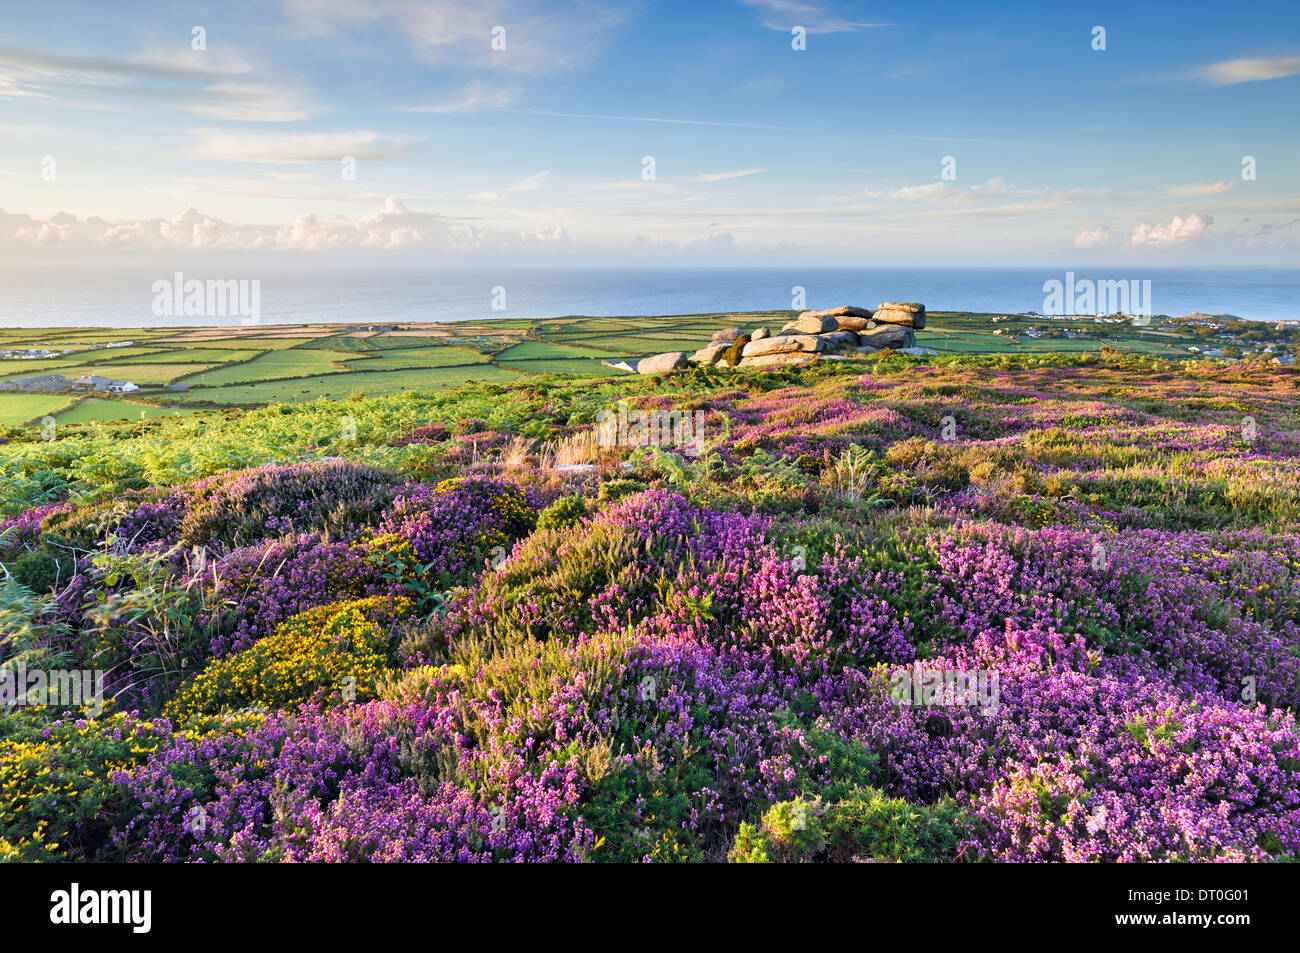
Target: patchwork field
[{"x": 249, "y": 366}]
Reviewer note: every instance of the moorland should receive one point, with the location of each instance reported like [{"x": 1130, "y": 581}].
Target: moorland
[{"x": 456, "y": 623}]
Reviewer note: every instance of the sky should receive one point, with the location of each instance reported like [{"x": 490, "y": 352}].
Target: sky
[{"x": 644, "y": 134}]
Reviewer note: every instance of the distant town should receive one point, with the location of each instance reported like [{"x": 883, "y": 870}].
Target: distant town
[{"x": 1225, "y": 337}]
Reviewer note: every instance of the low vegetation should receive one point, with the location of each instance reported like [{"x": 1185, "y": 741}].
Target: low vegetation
[{"x": 1012, "y": 606}]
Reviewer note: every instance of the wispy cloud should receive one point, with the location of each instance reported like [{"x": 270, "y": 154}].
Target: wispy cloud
[
  {"x": 679, "y": 122},
  {"x": 784, "y": 15},
  {"x": 216, "y": 85},
  {"x": 460, "y": 32},
  {"x": 1198, "y": 188},
  {"x": 1230, "y": 72},
  {"x": 474, "y": 97},
  {"x": 236, "y": 146},
  {"x": 530, "y": 184},
  {"x": 721, "y": 176},
  {"x": 139, "y": 66}
]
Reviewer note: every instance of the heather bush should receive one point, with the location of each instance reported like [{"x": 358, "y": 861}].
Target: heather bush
[
  {"x": 455, "y": 527},
  {"x": 667, "y": 658},
  {"x": 336, "y": 497},
  {"x": 256, "y": 587}
]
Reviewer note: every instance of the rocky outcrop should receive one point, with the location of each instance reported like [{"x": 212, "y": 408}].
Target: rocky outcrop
[
  {"x": 892, "y": 336},
  {"x": 663, "y": 363},
  {"x": 778, "y": 360},
  {"x": 814, "y": 322},
  {"x": 843, "y": 311},
  {"x": 838, "y": 340},
  {"x": 908, "y": 314},
  {"x": 842, "y": 333},
  {"x": 710, "y": 353},
  {"x": 785, "y": 344},
  {"x": 728, "y": 335}
]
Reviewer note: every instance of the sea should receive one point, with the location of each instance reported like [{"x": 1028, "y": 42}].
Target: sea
[{"x": 125, "y": 296}]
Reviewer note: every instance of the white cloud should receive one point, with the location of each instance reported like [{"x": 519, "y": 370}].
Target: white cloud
[
  {"x": 1095, "y": 237},
  {"x": 459, "y": 32},
  {"x": 530, "y": 184},
  {"x": 784, "y": 15},
  {"x": 391, "y": 228},
  {"x": 217, "y": 84},
  {"x": 712, "y": 242},
  {"x": 722, "y": 176},
  {"x": 1204, "y": 188},
  {"x": 932, "y": 190},
  {"x": 475, "y": 96},
  {"x": 659, "y": 119},
  {"x": 235, "y": 146},
  {"x": 993, "y": 188},
  {"x": 1230, "y": 72},
  {"x": 251, "y": 102},
  {"x": 1179, "y": 230}
]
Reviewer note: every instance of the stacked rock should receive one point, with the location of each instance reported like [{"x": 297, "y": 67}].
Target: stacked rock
[
  {"x": 835, "y": 333},
  {"x": 909, "y": 314}
]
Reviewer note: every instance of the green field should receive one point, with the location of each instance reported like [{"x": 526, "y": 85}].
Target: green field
[
  {"x": 93, "y": 409},
  {"x": 18, "y": 409},
  {"x": 341, "y": 385},
  {"x": 247, "y": 367},
  {"x": 576, "y": 367},
  {"x": 397, "y": 359},
  {"x": 546, "y": 350},
  {"x": 295, "y": 362}
]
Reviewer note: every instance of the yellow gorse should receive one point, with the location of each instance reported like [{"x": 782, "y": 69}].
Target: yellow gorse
[{"x": 338, "y": 650}]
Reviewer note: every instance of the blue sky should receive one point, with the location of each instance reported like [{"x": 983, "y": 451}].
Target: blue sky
[{"x": 119, "y": 138}]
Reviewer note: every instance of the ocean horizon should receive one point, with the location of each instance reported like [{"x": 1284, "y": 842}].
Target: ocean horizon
[{"x": 123, "y": 297}]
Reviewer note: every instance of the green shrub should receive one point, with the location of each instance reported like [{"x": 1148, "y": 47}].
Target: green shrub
[
  {"x": 563, "y": 513},
  {"x": 38, "y": 571},
  {"x": 731, "y": 356},
  {"x": 611, "y": 491},
  {"x": 868, "y": 825},
  {"x": 57, "y": 800}
]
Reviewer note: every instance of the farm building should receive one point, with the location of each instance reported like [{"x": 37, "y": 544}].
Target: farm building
[
  {"x": 91, "y": 382},
  {"x": 45, "y": 384}
]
